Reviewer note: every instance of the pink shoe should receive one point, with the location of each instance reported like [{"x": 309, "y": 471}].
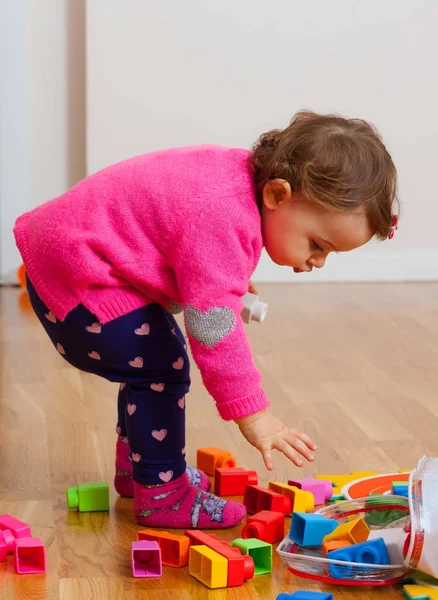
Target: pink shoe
[
  {"x": 178, "y": 504},
  {"x": 123, "y": 482}
]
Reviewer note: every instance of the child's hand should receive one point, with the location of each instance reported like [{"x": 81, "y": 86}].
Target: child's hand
[
  {"x": 264, "y": 431},
  {"x": 252, "y": 288}
]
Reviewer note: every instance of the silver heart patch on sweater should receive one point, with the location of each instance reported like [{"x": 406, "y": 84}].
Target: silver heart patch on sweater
[{"x": 209, "y": 327}]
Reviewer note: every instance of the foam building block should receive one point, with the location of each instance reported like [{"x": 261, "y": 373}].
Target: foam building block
[
  {"x": 240, "y": 567},
  {"x": 420, "y": 592},
  {"x": 304, "y": 595},
  {"x": 301, "y": 501},
  {"x": 146, "y": 559},
  {"x": 354, "y": 531},
  {"x": 310, "y": 529},
  {"x": 257, "y": 499},
  {"x": 372, "y": 553},
  {"x": 29, "y": 556},
  {"x": 88, "y": 497},
  {"x": 208, "y": 567},
  {"x": 253, "y": 309},
  {"x": 334, "y": 545},
  {"x": 209, "y": 459},
  {"x": 322, "y": 490},
  {"x": 233, "y": 481},
  {"x": 18, "y": 529},
  {"x": 400, "y": 488},
  {"x": 4, "y": 549},
  {"x": 174, "y": 548},
  {"x": 265, "y": 525},
  {"x": 260, "y": 551}
]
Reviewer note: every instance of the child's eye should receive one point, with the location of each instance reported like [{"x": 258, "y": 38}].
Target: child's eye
[{"x": 317, "y": 246}]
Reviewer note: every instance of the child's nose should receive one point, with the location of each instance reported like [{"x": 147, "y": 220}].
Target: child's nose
[{"x": 317, "y": 262}]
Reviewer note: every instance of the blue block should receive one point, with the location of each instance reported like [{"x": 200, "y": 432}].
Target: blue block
[
  {"x": 400, "y": 489},
  {"x": 309, "y": 529},
  {"x": 302, "y": 595},
  {"x": 373, "y": 552}
]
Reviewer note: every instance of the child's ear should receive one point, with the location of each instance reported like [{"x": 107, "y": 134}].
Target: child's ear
[{"x": 275, "y": 193}]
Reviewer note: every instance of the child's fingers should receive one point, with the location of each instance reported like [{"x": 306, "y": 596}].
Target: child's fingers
[
  {"x": 267, "y": 458},
  {"x": 289, "y": 452},
  {"x": 299, "y": 446},
  {"x": 304, "y": 438}
]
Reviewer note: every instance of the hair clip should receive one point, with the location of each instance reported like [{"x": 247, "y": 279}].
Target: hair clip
[{"x": 394, "y": 226}]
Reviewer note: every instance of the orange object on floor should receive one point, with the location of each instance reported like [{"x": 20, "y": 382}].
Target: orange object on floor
[
  {"x": 21, "y": 276},
  {"x": 209, "y": 459}
]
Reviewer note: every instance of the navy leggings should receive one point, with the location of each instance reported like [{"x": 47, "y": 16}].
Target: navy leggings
[{"x": 145, "y": 352}]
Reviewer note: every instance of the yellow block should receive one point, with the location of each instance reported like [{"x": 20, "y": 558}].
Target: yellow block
[
  {"x": 302, "y": 501},
  {"x": 421, "y": 592},
  {"x": 209, "y": 567},
  {"x": 355, "y": 532}
]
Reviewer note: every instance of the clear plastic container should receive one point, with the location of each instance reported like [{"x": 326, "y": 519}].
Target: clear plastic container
[
  {"x": 422, "y": 545},
  {"x": 386, "y": 516}
]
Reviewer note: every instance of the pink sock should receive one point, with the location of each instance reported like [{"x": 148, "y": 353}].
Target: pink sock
[
  {"x": 123, "y": 482},
  {"x": 180, "y": 505}
]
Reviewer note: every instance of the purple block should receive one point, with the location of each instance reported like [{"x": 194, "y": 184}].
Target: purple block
[
  {"x": 321, "y": 489},
  {"x": 146, "y": 559},
  {"x": 29, "y": 556}
]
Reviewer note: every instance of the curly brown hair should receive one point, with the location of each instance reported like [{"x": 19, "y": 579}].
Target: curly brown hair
[{"x": 339, "y": 163}]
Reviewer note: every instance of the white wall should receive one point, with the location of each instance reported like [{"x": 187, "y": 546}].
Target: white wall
[
  {"x": 177, "y": 73},
  {"x": 14, "y": 133},
  {"x": 42, "y": 141}
]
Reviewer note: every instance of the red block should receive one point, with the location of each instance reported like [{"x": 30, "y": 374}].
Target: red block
[
  {"x": 29, "y": 556},
  {"x": 232, "y": 482},
  {"x": 266, "y": 525},
  {"x": 240, "y": 567},
  {"x": 19, "y": 529},
  {"x": 257, "y": 498}
]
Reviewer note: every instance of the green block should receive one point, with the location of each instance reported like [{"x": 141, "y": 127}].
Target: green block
[
  {"x": 87, "y": 497},
  {"x": 261, "y": 553}
]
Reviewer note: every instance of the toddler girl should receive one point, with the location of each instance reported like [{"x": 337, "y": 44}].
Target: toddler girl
[{"x": 111, "y": 260}]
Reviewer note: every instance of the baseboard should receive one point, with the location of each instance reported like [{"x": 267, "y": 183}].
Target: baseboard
[{"x": 357, "y": 267}]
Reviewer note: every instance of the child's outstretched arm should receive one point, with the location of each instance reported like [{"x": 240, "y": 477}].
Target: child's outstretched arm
[{"x": 265, "y": 432}]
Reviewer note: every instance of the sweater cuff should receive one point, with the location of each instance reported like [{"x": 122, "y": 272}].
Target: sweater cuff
[{"x": 243, "y": 407}]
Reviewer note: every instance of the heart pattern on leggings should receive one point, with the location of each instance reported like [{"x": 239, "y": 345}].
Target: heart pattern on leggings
[
  {"x": 178, "y": 364},
  {"x": 157, "y": 387},
  {"x": 94, "y": 355},
  {"x": 60, "y": 349},
  {"x": 95, "y": 328},
  {"x": 137, "y": 363},
  {"x": 136, "y": 457},
  {"x": 50, "y": 317},
  {"x": 159, "y": 435},
  {"x": 182, "y": 402},
  {"x": 143, "y": 330},
  {"x": 131, "y": 408},
  {"x": 166, "y": 477},
  {"x": 122, "y": 386}
]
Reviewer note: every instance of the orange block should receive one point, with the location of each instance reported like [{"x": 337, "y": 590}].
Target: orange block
[
  {"x": 334, "y": 545},
  {"x": 209, "y": 459},
  {"x": 174, "y": 548}
]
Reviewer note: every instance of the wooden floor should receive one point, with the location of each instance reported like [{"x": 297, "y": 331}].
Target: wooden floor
[{"x": 353, "y": 365}]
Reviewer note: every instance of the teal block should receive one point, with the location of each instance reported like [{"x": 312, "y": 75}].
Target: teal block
[
  {"x": 261, "y": 553},
  {"x": 309, "y": 529}
]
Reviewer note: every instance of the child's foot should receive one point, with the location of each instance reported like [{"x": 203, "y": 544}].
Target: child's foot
[
  {"x": 180, "y": 505},
  {"x": 123, "y": 482}
]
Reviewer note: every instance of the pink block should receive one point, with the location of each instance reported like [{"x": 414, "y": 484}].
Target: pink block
[
  {"x": 146, "y": 559},
  {"x": 29, "y": 556},
  {"x": 3, "y": 550},
  {"x": 321, "y": 489},
  {"x": 7, "y": 540},
  {"x": 19, "y": 529}
]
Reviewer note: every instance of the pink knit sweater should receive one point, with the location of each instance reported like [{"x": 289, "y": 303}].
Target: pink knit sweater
[{"x": 175, "y": 227}]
